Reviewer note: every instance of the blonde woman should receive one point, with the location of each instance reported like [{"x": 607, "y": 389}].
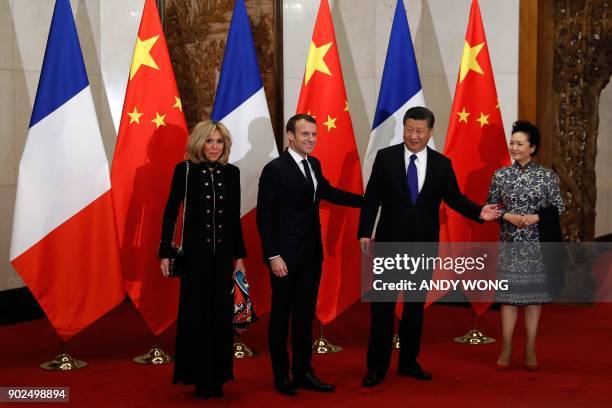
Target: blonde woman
[{"x": 214, "y": 249}]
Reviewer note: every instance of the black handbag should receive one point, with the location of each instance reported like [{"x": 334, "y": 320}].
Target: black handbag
[{"x": 178, "y": 262}]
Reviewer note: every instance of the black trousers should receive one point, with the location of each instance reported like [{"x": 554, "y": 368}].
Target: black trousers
[
  {"x": 381, "y": 336},
  {"x": 294, "y": 299}
]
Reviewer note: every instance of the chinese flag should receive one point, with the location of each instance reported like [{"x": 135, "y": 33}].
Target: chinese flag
[
  {"x": 151, "y": 141},
  {"x": 475, "y": 141},
  {"x": 324, "y": 97}
]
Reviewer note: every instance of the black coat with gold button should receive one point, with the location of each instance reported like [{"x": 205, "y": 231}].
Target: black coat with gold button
[
  {"x": 212, "y": 240},
  {"x": 212, "y": 217}
]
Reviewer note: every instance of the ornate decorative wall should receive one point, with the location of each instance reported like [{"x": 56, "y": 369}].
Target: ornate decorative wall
[
  {"x": 196, "y": 31},
  {"x": 582, "y": 65}
]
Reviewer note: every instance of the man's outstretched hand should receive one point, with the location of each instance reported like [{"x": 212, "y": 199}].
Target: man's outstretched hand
[{"x": 490, "y": 212}]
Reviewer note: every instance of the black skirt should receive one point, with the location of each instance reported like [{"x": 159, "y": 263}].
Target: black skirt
[{"x": 204, "y": 338}]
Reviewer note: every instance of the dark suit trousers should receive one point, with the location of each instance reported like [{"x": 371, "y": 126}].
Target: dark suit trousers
[
  {"x": 294, "y": 299},
  {"x": 381, "y": 336}
]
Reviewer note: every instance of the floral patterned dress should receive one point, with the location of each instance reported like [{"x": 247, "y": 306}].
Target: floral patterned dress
[{"x": 523, "y": 190}]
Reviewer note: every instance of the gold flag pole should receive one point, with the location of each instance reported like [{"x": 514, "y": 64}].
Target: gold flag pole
[
  {"x": 323, "y": 346},
  {"x": 63, "y": 361},
  {"x": 241, "y": 350},
  {"x": 154, "y": 356},
  {"x": 396, "y": 341},
  {"x": 474, "y": 336}
]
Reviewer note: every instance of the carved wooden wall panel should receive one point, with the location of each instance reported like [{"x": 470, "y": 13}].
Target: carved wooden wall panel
[
  {"x": 582, "y": 65},
  {"x": 196, "y": 31}
]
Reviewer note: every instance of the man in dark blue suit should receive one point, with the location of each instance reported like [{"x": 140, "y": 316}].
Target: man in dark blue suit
[
  {"x": 408, "y": 183},
  {"x": 290, "y": 190}
]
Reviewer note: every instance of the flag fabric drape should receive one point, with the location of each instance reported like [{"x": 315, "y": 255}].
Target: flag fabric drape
[
  {"x": 152, "y": 139},
  {"x": 64, "y": 243},
  {"x": 323, "y": 96},
  {"x": 475, "y": 141},
  {"x": 240, "y": 104},
  {"x": 400, "y": 90}
]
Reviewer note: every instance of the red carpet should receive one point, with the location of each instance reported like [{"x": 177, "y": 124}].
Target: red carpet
[{"x": 574, "y": 352}]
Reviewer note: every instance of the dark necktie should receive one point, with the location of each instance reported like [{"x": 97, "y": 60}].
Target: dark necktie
[
  {"x": 413, "y": 179},
  {"x": 308, "y": 176}
]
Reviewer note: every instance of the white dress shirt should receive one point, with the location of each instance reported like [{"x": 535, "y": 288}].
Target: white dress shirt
[
  {"x": 420, "y": 163},
  {"x": 298, "y": 159}
]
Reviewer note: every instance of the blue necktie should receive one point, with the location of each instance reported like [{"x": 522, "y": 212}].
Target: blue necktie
[{"x": 413, "y": 179}]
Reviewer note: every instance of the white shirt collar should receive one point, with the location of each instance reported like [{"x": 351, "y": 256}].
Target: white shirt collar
[
  {"x": 296, "y": 156},
  {"x": 421, "y": 156}
]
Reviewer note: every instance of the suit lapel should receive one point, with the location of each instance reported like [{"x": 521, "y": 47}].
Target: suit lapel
[
  {"x": 400, "y": 168},
  {"x": 429, "y": 170},
  {"x": 297, "y": 171},
  {"x": 318, "y": 174}
]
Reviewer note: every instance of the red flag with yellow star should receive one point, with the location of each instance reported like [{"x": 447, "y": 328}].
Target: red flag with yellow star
[
  {"x": 151, "y": 141},
  {"x": 324, "y": 97},
  {"x": 475, "y": 140}
]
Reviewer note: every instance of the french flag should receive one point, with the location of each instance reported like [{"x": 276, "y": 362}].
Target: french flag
[
  {"x": 64, "y": 243},
  {"x": 400, "y": 90},
  {"x": 240, "y": 103}
]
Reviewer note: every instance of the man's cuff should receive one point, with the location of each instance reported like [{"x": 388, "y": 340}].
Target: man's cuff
[{"x": 272, "y": 257}]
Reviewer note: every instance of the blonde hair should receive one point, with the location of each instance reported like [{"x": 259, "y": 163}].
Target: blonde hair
[{"x": 200, "y": 134}]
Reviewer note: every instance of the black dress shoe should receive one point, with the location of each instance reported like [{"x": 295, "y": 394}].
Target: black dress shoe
[
  {"x": 372, "y": 379},
  {"x": 208, "y": 391},
  {"x": 416, "y": 372},
  {"x": 217, "y": 392},
  {"x": 310, "y": 381},
  {"x": 285, "y": 387}
]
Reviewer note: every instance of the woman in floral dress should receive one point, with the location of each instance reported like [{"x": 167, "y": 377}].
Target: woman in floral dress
[{"x": 525, "y": 190}]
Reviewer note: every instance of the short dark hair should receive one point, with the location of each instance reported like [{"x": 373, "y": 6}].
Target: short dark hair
[
  {"x": 532, "y": 132},
  {"x": 420, "y": 113},
  {"x": 291, "y": 122}
]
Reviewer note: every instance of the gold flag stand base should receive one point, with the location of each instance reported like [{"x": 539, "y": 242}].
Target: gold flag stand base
[
  {"x": 396, "y": 341},
  {"x": 323, "y": 346},
  {"x": 474, "y": 337},
  {"x": 63, "y": 362},
  {"x": 154, "y": 356},
  {"x": 241, "y": 350}
]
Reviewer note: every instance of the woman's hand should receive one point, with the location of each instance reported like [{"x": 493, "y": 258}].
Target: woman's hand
[
  {"x": 521, "y": 221},
  {"x": 512, "y": 218},
  {"x": 527, "y": 220},
  {"x": 238, "y": 266},
  {"x": 164, "y": 265}
]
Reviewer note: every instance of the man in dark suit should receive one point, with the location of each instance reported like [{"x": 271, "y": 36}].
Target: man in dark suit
[
  {"x": 408, "y": 182},
  {"x": 290, "y": 189}
]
